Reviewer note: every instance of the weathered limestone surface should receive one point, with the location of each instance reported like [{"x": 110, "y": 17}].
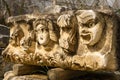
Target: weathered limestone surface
[
  {"x": 21, "y": 69},
  {"x": 77, "y": 40},
  {"x": 62, "y": 74},
  {"x": 11, "y": 76}
]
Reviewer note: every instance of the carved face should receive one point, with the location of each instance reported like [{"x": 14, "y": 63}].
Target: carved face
[
  {"x": 64, "y": 32},
  {"x": 25, "y": 42},
  {"x": 16, "y": 34},
  {"x": 90, "y": 27},
  {"x": 67, "y": 24},
  {"x": 42, "y": 34}
]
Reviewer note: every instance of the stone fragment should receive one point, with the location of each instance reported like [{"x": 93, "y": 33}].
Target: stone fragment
[
  {"x": 11, "y": 76},
  {"x": 21, "y": 69},
  {"x": 62, "y": 74}
]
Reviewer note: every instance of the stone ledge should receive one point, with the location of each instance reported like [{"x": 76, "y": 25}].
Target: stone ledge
[{"x": 11, "y": 76}]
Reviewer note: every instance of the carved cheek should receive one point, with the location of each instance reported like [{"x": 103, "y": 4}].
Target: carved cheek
[
  {"x": 96, "y": 32},
  {"x": 38, "y": 35},
  {"x": 63, "y": 41}
]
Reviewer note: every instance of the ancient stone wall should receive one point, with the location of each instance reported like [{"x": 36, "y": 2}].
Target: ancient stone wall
[{"x": 4, "y": 41}]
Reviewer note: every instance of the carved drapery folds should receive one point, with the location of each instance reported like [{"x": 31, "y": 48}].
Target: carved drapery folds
[{"x": 78, "y": 40}]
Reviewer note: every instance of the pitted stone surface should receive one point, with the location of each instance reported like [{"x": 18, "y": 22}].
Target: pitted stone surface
[{"x": 77, "y": 40}]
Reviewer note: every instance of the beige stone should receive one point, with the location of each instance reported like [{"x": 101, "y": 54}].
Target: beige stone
[
  {"x": 30, "y": 77},
  {"x": 77, "y": 40},
  {"x": 10, "y": 76},
  {"x": 62, "y": 74},
  {"x": 22, "y": 69}
]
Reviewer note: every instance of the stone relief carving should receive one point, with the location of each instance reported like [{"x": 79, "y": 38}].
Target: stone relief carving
[
  {"x": 78, "y": 40},
  {"x": 68, "y": 32},
  {"x": 91, "y": 27},
  {"x": 47, "y": 50},
  {"x": 21, "y": 39},
  {"x": 46, "y": 39},
  {"x": 96, "y": 43}
]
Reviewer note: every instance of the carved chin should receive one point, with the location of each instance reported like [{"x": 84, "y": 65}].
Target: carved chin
[{"x": 42, "y": 42}]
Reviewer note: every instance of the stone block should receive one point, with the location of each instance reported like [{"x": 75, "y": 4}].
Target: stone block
[
  {"x": 21, "y": 69},
  {"x": 11, "y": 76}
]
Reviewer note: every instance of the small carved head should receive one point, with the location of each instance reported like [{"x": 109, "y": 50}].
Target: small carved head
[
  {"x": 44, "y": 31},
  {"x": 16, "y": 34},
  {"x": 91, "y": 26},
  {"x": 68, "y": 32},
  {"x": 26, "y": 41}
]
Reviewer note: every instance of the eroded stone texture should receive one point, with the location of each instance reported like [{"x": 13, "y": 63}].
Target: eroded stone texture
[
  {"x": 11, "y": 76},
  {"x": 97, "y": 32},
  {"x": 78, "y": 40},
  {"x": 68, "y": 32},
  {"x": 21, "y": 38}
]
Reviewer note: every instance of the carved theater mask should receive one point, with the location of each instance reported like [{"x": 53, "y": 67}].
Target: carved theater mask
[
  {"x": 90, "y": 26},
  {"x": 42, "y": 34}
]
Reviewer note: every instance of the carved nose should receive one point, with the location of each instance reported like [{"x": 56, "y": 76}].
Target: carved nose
[{"x": 65, "y": 43}]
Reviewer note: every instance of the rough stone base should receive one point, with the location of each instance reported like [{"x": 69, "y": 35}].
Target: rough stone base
[
  {"x": 4, "y": 66},
  {"x": 61, "y": 74},
  {"x": 11, "y": 76},
  {"x": 21, "y": 69}
]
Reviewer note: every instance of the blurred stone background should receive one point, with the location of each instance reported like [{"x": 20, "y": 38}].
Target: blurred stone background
[{"x": 18, "y": 7}]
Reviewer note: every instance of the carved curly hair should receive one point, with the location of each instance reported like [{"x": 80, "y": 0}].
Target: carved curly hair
[
  {"x": 48, "y": 23},
  {"x": 70, "y": 21}
]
